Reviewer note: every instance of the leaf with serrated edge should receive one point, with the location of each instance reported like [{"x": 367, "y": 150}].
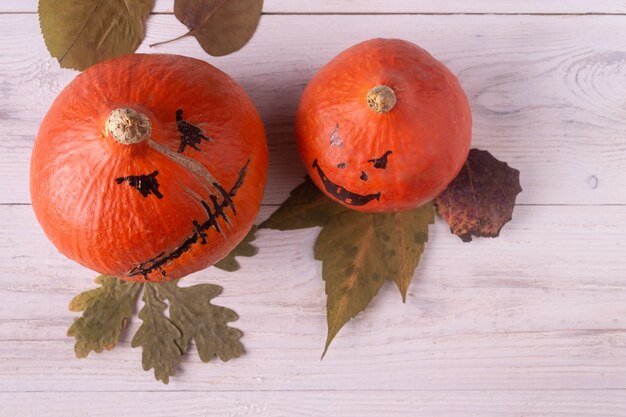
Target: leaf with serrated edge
[
  {"x": 404, "y": 235},
  {"x": 306, "y": 207},
  {"x": 220, "y": 26},
  {"x": 106, "y": 310},
  {"x": 481, "y": 199},
  {"x": 192, "y": 312},
  {"x": 245, "y": 248},
  {"x": 351, "y": 267},
  {"x": 82, "y": 33},
  {"x": 157, "y": 336}
]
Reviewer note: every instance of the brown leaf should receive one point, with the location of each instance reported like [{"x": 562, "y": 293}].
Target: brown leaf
[
  {"x": 481, "y": 198},
  {"x": 306, "y": 207},
  {"x": 82, "y": 33},
  {"x": 359, "y": 251},
  {"x": 106, "y": 311},
  {"x": 220, "y": 26}
]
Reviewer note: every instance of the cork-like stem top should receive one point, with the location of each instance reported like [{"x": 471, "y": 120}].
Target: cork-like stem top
[
  {"x": 381, "y": 99},
  {"x": 128, "y": 126}
]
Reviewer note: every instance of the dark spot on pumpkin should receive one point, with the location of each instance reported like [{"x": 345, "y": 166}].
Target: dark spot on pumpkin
[
  {"x": 145, "y": 184},
  {"x": 342, "y": 165},
  {"x": 335, "y": 139},
  {"x": 380, "y": 163},
  {"x": 340, "y": 193},
  {"x": 363, "y": 176},
  {"x": 189, "y": 134},
  {"x": 214, "y": 210}
]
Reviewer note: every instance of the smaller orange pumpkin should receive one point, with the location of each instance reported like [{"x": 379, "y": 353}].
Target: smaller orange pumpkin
[
  {"x": 384, "y": 126},
  {"x": 149, "y": 167}
]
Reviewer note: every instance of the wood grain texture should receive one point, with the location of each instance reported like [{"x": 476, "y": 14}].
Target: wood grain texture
[
  {"x": 604, "y": 403},
  {"x": 547, "y": 92},
  {"x": 541, "y": 307},
  {"x": 530, "y": 324},
  {"x": 395, "y": 6}
]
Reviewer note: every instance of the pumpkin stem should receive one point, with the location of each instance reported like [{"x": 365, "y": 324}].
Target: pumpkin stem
[
  {"x": 128, "y": 126},
  {"x": 381, "y": 99}
]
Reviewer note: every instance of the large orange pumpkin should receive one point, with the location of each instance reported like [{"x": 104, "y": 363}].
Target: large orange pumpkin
[
  {"x": 149, "y": 167},
  {"x": 384, "y": 126}
]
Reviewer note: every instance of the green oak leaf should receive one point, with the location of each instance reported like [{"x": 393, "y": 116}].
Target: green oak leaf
[
  {"x": 359, "y": 251},
  {"x": 245, "y": 248},
  {"x": 80, "y": 33},
  {"x": 106, "y": 311},
  {"x": 157, "y": 336},
  {"x": 192, "y": 312},
  {"x": 220, "y": 26},
  {"x": 306, "y": 207},
  {"x": 481, "y": 199}
]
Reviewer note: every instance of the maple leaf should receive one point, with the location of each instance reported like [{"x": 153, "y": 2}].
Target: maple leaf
[
  {"x": 244, "y": 248},
  {"x": 192, "y": 312},
  {"x": 359, "y": 251},
  {"x": 158, "y": 337},
  {"x": 480, "y": 200},
  {"x": 306, "y": 207},
  {"x": 106, "y": 311},
  {"x": 405, "y": 235}
]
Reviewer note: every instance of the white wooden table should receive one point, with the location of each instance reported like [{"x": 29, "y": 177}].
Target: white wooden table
[{"x": 530, "y": 324}]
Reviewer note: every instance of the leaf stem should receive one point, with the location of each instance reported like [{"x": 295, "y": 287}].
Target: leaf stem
[{"x": 171, "y": 40}]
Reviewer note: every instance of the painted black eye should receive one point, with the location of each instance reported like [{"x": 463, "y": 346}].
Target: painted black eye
[
  {"x": 145, "y": 184},
  {"x": 190, "y": 135},
  {"x": 380, "y": 163},
  {"x": 342, "y": 165},
  {"x": 363, "y": 176}
]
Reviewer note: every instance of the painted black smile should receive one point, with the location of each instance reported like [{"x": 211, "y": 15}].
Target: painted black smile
[{"x": 341, "y": 193}]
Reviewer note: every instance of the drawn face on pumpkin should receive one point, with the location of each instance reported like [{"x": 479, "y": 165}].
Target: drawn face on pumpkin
[
  {"x": 345, "y": 195},
  {"x": 383, "y": 127},
  {"x": 172, "y": 162}
]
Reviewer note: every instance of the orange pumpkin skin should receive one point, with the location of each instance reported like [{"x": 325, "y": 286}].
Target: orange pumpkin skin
[
  {"x": 396, "y": 159},
  {"x": 167, "y": 206}
]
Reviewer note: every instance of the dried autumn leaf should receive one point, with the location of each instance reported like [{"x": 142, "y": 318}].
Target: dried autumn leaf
[
  {"x": 245, "y": 248},
  {"x": 106, "y": 310},
  {"x": 359, "y": 251},
  {"x": 158, "y": 337},
  {"x": 481, "y": 198},
  {"x": 306, "y": 207},
  {"x": 405, "y": 235},
  {"x": 192, "y": 312},
  {"x": 220, "y": 26},
  {"x": 83, "y": 33}
]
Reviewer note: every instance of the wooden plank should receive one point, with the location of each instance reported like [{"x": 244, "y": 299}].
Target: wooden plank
[
  {"x": 314, "y": 404},
  {"x": 547, "y": 92},
  {"x": 395, "y": 6},
  {"x": 541, "y": 307}
]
